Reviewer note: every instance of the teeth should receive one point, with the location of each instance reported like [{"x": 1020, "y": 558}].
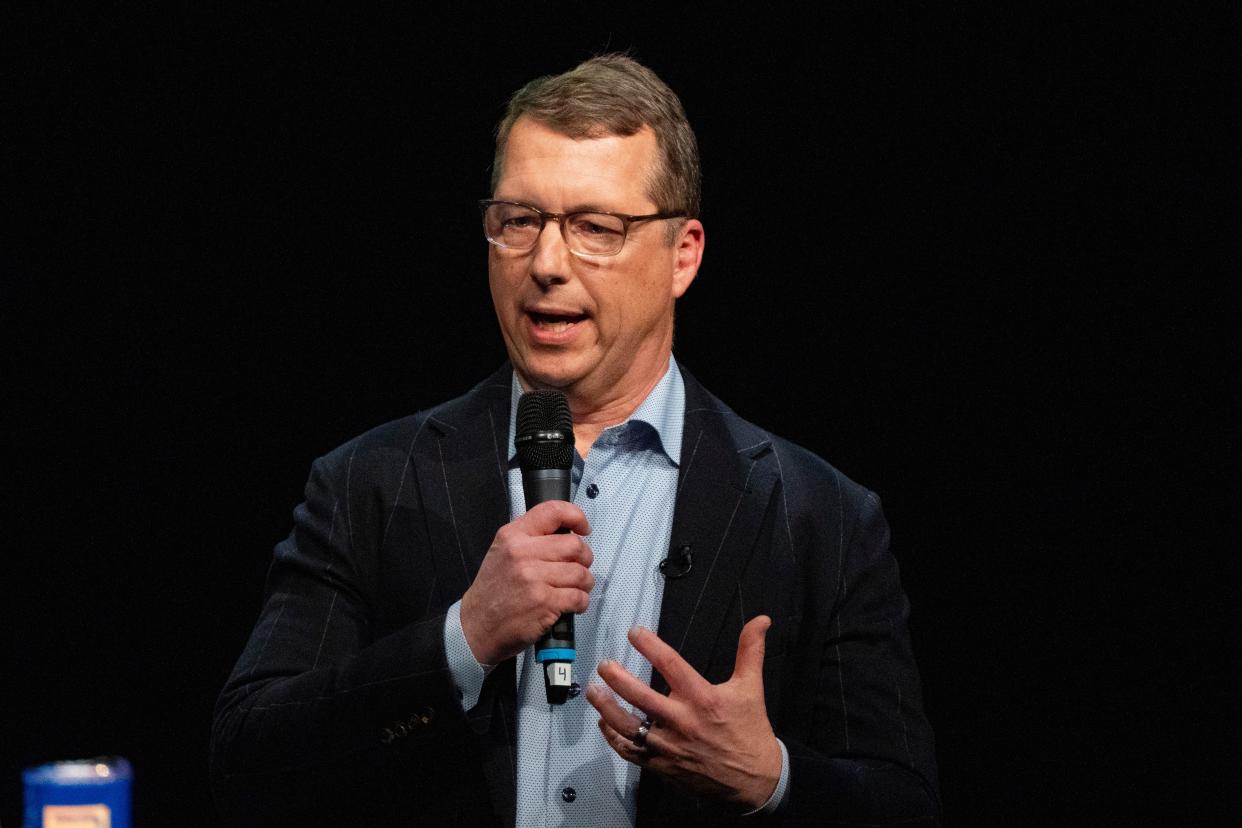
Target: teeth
[{"x": 552, "y": 324}]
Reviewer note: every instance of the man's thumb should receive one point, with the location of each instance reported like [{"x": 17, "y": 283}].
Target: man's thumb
[{"x": 750, "y": 648}]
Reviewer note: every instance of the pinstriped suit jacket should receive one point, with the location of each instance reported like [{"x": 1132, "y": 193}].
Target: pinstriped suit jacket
[{"x": 342, "y": 709}]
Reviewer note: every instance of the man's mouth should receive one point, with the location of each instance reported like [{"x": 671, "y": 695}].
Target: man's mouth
[{"x": 555, "y": 322}]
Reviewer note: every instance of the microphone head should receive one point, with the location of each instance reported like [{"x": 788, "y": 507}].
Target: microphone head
[{"x": 545, "y": 431}]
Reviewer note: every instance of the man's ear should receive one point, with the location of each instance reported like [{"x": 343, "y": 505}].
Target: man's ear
[{"x": 688, "y": 255}]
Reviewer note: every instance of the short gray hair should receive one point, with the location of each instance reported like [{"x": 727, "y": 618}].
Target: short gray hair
[{"x": 614, "y": 94}]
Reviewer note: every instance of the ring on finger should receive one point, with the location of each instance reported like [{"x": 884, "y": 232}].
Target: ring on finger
[{"x": 640, "y": 738}]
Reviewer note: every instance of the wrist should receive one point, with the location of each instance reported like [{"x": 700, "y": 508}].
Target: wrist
[
  {"x": 771, "y": 769},
  {"x": 778, "y": 796},
  {"x": 473, "y": 636},
  {"x": 468, "y": 674}
]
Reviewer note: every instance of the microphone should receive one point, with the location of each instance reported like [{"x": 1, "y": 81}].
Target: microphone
[
  {"x": 678, "y": 563},
  {"x": 545, "y": 449}
]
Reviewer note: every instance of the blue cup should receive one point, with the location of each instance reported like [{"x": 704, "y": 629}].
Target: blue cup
[{"x": 80, "y": 793}]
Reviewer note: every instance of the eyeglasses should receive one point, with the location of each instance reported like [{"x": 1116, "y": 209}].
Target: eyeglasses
[{"x": 516, "y": 226}]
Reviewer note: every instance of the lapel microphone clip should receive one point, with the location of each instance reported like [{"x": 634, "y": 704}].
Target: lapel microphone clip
[{"x": 677, "y": 564}]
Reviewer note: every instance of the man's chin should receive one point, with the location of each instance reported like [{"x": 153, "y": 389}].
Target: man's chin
[{"x": 541, "y": 376}]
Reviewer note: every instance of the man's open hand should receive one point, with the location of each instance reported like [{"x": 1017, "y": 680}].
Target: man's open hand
[
  {"x": 528, "y": 578},
  {"x": 714, "y": 739}
]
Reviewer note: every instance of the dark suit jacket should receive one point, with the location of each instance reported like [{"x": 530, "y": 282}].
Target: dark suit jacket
[{"x": 342, "y": 707}]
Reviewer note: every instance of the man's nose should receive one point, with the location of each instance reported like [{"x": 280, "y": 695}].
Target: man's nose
[{"x": 551, "y": 259}]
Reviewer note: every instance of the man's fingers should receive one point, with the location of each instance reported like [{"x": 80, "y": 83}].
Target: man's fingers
[
  {"x": 616, "y": 717},
  {"x": 563, "y": 548},
  {"x": 750, "y": 648},
  {"x": 623, "y": 745},
  {"x": 572, "y": 575},
  {"x": 681, "y": 677},
  {"x": 618, "y": 725},
  {"x": 551, "y": 515},
  {"x": 654, "y": 704},
  {"x": 569, "y": 599}
]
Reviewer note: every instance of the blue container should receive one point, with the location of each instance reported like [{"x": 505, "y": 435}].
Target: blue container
[{"x": 81, "y": 793}]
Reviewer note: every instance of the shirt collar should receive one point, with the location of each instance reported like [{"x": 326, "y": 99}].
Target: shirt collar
[{"x": 663, "y": 410}]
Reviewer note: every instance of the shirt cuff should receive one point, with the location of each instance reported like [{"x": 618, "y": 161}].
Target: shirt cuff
[
  {"x": 781, "y": 793},
  {"x": 467, "y": 672}
]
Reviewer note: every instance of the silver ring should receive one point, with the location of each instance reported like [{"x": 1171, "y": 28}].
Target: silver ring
[{"x": 640, "y": 738}]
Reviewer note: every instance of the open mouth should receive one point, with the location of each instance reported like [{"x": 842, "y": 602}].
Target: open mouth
[{"x": 555, "y": 322}]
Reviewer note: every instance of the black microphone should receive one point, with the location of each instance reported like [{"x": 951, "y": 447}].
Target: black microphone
[
  {"x": 678, "y": 563},
  {"x": 545, "y": 449}
]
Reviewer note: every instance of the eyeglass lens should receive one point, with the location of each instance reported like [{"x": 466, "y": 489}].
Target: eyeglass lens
[{"x": 515, "y": 226}]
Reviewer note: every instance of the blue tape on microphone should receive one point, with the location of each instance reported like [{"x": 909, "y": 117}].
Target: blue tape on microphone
[
  {"x": 80, "y": 793},
  {"x": 556, "y": 654}
]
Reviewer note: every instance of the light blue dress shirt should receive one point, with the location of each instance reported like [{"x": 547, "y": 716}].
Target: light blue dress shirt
[{"x": 566, "y": 772}]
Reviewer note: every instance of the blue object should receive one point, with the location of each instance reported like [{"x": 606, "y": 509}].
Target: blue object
[
  {"x": 77, "y": 792},
  {"x": 556, "y": 654}
]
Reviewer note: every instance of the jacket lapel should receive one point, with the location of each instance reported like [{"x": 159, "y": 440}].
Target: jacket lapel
[
  {"x": 723, "y": 491},
  {"x": 460, "y": 461},
  {"x": 461, "y": 467}
]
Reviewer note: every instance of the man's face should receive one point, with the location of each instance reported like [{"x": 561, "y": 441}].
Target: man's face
[{"x": 589, "y": 326}]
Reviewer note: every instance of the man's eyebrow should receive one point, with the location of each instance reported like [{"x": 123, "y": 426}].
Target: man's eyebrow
[
  {"x": 584, "y": 207},
  {"x": 589, "y": 207}
]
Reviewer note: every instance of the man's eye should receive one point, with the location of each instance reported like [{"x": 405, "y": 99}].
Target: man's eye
[
  {"x": 586, "y": 227},
  {"x": 519, "y": 222}
]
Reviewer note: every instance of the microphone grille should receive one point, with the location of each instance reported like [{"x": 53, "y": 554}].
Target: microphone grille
[{"x": 545, "y": 431}]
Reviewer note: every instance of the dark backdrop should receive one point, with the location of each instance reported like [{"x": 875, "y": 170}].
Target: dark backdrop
[{"x": 238, "y": 239}]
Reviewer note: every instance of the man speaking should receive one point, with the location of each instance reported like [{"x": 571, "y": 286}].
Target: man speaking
[{"x": 740, "y": 649}]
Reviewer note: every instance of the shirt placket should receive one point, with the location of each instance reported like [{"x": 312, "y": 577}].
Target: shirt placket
[{"x": 566, "y": 792}]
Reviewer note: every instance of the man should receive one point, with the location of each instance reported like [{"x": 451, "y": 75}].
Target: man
[{"x": 389, "y": 677}]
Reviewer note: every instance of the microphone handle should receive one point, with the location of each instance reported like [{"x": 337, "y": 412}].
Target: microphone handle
[
  {"x": 545, "y": 484},
  {"x": 556, "y": 649}
]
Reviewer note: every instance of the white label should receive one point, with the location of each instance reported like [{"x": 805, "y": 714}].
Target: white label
[
  {"x": 77, "y": 816},
  {"x": 559, "y": 673}
]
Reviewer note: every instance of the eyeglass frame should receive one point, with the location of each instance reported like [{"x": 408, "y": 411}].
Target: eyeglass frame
[{"x": 545, "y": 217}]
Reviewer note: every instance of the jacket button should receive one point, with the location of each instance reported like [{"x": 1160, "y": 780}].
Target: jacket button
[
  {"x": 387, "y": 736},
  {"x": 569, "y": 794}
]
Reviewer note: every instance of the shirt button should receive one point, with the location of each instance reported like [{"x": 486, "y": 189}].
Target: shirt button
[
  {"x": 569, "y": 794},
  {"x": 574, "y": 690},
  {"x": 592, "y": 491}
]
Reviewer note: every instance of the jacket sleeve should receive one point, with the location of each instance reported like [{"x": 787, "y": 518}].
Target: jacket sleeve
[
  {"x": 864, "y": 752},
  {"x": 321, "y": 711}
]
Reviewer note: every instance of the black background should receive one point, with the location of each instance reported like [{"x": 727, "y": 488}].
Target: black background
[{"x": 970, "y": 257}]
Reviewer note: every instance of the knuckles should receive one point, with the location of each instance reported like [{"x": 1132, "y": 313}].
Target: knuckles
[
  {"x": 524, "y": 573},
  {"x": 505, "y": 536},
  {"x": 546, "y": 619},
  {"x": 514, "y": 582}
]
